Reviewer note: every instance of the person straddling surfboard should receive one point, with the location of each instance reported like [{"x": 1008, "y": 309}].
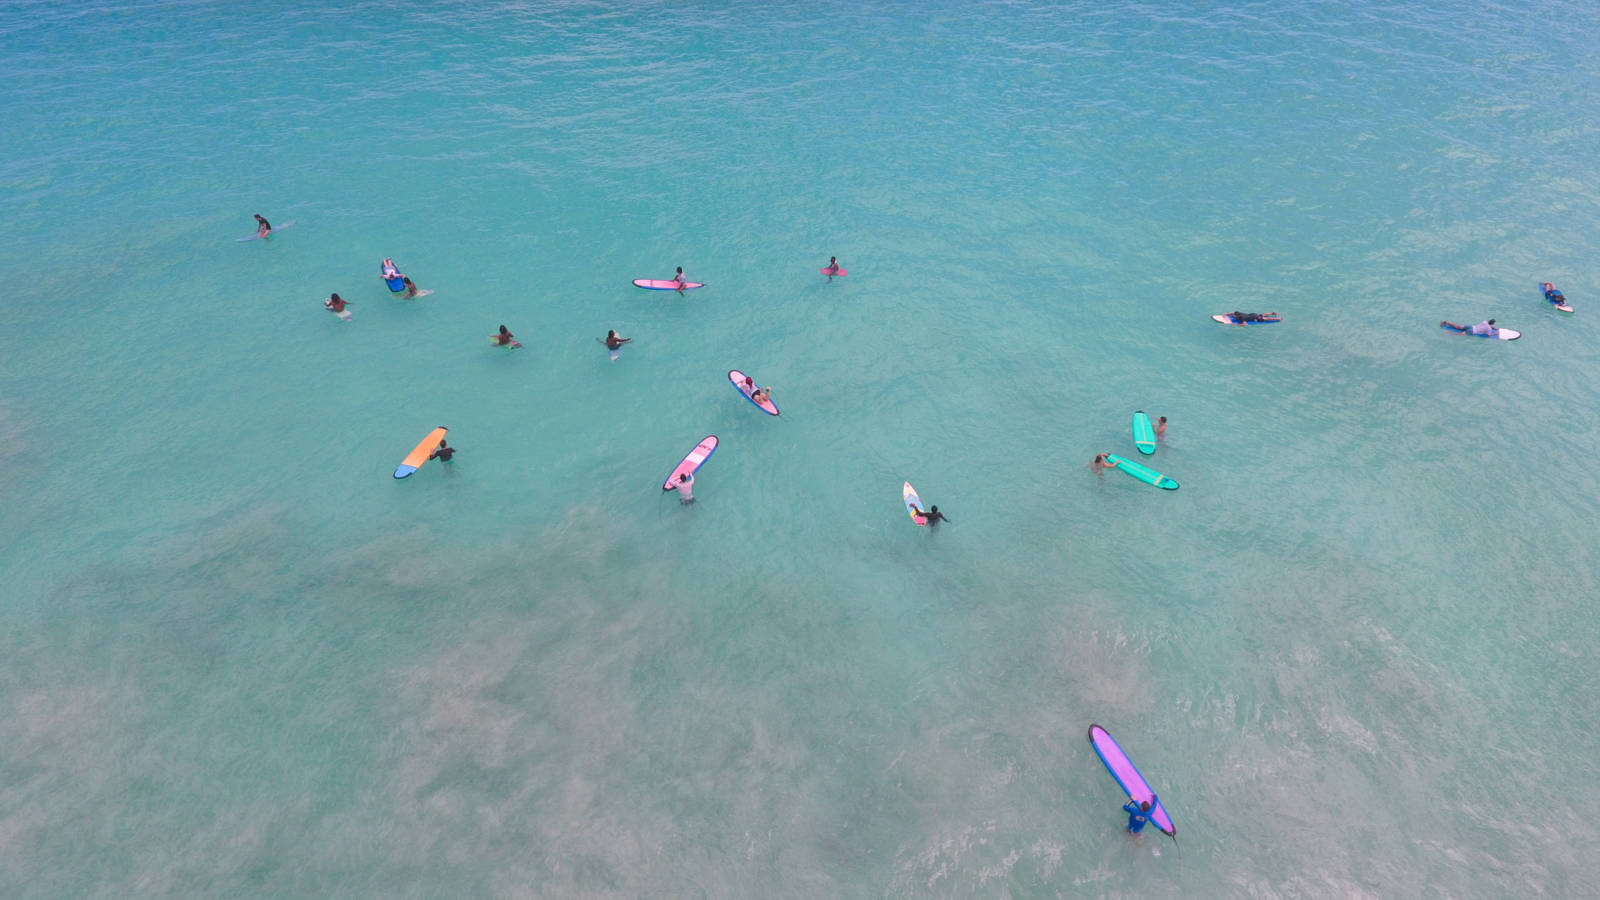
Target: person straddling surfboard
[
  {"x": 443, "y": 452},
  {"x": 1138, "y": 813},
  {"x": 833, "y": 267},
  {"x": 932, "y": 514},
  {"x": 505, "y": 338},
  {"x": 682, "y": 281},
  {"x": 263, "y": 227},
  {"x": 685, "y": 488}
]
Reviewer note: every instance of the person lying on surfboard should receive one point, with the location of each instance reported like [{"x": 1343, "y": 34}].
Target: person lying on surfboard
[
  {"x": 1102, "y": 461},
  {"x": 443, "y": 452},
  {"x": 932, "y": 514},
  {"x": 336, "y": 303},
  {"x": 1138, "y": 814},
  {"x": 762, "y": 395},
  {"x": 1240, "y": 318},
  {"x": 263, "y": 227},
  {"x": 390, "y": 270}
]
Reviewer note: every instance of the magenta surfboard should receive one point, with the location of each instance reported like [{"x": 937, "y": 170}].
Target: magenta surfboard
[
  {"x": 696, "y": 458},
  {"x": 836, "y": 272},
  {"x": 1128, "y": 777},
  {"x": 656, "y": 284}
]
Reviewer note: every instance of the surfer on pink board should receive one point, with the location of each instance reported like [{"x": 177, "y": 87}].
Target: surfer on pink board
[
  {"x": 505, "y": 339},
  {"x": 832, "y": 269}
]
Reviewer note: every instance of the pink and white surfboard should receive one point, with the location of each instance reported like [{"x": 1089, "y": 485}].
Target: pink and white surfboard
[
  {"x": 837, "y": 273},
  {"x": 766, "y": 406},
  {"x": 656, "y": 284},
  {"x": 696, "y": 458}
]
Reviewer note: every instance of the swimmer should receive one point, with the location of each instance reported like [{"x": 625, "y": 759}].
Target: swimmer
[
  {"x": 614, "y": 342},
  {"x": 680, "y": 279},
  {"x": 336, "y": 303},
  {"x": 685, "y": 489},
  {"x": 411, "y": 289},
  {"x": 833, "y": 267},
  {"x": 263, "y": 227},
  {"x": 932, "y": 514},
  {"x": 443, "y": 452},
  {"x": 1161, "y": 427},
  {"x": 1138, "y": 815},
  {"x": 505, "y": 338},
  {"x": 1102, "y": 461}
]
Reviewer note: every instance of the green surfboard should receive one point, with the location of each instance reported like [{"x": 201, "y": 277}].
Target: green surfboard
[
  {"x": 1148, "y": 476},
  {"x": 1144, "y": 435}
]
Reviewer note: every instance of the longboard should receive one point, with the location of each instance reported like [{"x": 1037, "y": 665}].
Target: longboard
[
  {"x": 1144, "y": 434},
  {"x": 1128, "y": 777},
  {"x": 1148, "y": 476},
  {"x": 656, "y": 284},
  {"x": 691, "y": 463},
  {"x": 418, "y": 456}
]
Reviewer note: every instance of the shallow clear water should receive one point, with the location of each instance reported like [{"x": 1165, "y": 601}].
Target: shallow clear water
[{"x": 1354, "y": 653}]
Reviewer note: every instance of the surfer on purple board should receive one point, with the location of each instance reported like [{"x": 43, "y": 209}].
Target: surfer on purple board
[
  {"x": 1138, "y": 813},
  {"x": 1102, "y": 462},
  {"x": 685, "y": 488},
  {"x": 263, "y": 227},
  {"x": 932, "y": 514}
]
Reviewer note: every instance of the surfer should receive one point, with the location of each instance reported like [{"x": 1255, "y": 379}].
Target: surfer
[
  {"x": 762, "y": 395},
  {"x": 505, "y": 338},
  {"x": 263, "y": 227},
  {"x": 1102, "y": 461},
  {"x": 1138, "y": 814},
  {"x": 1554, "y": 296},
  {"x": 833, "y": 267},
  {"x": 443, "y": 452},
  {"x": 932, "y": 514},
  {"x": 680, "y": 279},
  {"x": 390, "y": 270},
  {"x": 411, "y": 289},
  {"x": 1161, "y": 426},
  {"x": 336, "y": 302},
  {"x": 614, "y": 343},
  {"x": 1240, "y": 318},
  {"x": 1485, "y": 329},
  {"x": 685, "y": 488}
]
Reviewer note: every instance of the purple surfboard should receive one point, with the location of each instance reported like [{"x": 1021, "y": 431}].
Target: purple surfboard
[{"x": 1128, "y": 777}]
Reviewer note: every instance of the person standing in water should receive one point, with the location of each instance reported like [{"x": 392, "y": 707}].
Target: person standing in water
[
  {"x": 680, "y": 279},
  {"x": 1138, "y": 814},
  {"x": 263, "y": 227},
  {"x": 932, "y": 514},
  {"x": 614, "y": 343},
  {"x": 685, "y": 488},
  {"x": 1102, "y": 461},
  {"x": 1161, "y": 427},
  {"x": 411, "y": 288},
  {"x": 443, "y": 452}
]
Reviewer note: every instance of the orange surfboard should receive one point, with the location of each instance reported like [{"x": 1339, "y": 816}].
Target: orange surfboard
[{"x": 417, "y": 457}]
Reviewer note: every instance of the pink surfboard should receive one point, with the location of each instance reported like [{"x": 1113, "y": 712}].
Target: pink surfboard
[
  {"x": 696, "y": 458},
  {"x": 656, "y": 284},
  {"x": 737, "y": 377},
  {"x": 1128, "y": 777},
  {"x": 840, "y": 273}
]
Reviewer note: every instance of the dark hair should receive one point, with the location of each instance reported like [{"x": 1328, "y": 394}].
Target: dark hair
[
  {"x": 683, "y": 476},
  {"x": 443, "y": 444},
  {"x": 1144, "y": 805},
  {"x": 1163, "y": 418},
  {"x": 1491, "y": 321},
  {"x": 336, "y": 297},
  {"x": 680, "y": 270},
  {"x": 933, "y": 508}
]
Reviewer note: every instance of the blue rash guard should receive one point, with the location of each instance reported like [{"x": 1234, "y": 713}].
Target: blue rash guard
[{"x": 1137, "y": 818}]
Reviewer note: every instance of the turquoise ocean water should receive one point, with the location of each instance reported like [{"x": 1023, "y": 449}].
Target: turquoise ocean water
[{"x": 1355, "y": 653}]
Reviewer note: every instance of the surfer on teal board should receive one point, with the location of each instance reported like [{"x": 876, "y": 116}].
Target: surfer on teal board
[{"x": 1138, "y": 814}]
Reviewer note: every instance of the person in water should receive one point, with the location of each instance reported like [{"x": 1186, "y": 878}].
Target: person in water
[
  {"x": 680, "y": 279},
  {"x": 1102, "y": 461},
  {"x": 390, "y": 270},
  {"x": 615, "y": 341},
  {"x": 932, "y": 514},
  {"x": 1485, "y": 329},
  {"x": 1161, "y": 426},
  {"x": 263, "y": 227},
  {"x": 833, "y": 266},
  {"x": 336, "y": 302},
  {"x": 505, "y": 338},
  {"x": 762, "y": 395},
  {"x": 1138, "y": 814},
  {"x": 443, "y": 452},
  {"x": 1240, "y": 318},
  {"x": 685, "y": 488},
  {"x": 411, "y": 288}
]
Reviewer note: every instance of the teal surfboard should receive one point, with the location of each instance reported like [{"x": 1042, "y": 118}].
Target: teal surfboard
[
  {"x": 1148, "y": 476},
  {"x": 1144, "y": 434}
]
